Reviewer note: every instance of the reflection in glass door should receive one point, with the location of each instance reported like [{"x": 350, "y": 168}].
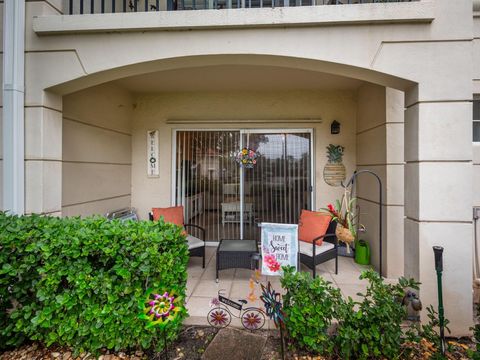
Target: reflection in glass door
[
  {"x": 207, "y": 178},
  {"x": 230, "y": 202}
]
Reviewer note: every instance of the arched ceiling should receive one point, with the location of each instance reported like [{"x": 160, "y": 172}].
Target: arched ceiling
[{"x": 236, "y": 77}]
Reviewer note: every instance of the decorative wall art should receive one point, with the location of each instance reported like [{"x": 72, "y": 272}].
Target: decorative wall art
[
  {"x": 152, "y": 153},
  {"x": 334, "y": 172},
  {"x": 247, "y": 158}
]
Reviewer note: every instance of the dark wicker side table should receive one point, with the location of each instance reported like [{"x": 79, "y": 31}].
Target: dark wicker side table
[{"x": 236, "y": 254}]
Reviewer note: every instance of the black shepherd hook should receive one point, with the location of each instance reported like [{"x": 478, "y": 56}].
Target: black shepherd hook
[{"x": 350, "y": 183}]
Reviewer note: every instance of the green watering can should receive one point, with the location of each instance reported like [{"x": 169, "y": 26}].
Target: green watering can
[{"x": 362, "y": 252}]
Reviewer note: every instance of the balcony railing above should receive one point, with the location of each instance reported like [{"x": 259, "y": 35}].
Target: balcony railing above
[{"x": 76, "y": 7}]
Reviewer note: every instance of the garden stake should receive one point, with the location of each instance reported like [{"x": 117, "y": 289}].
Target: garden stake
[
  {"x": 438, "y": 251},
  {"x": 159, "y": 309},
  {"x": 165, "y": 348},
  {"x": 274, "y": 310},
  {"x": 282, "y": 345},
  {"x": 380, "y": 205}
]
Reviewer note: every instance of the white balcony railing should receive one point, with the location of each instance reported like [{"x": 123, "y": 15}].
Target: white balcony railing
[{"x": 76, "y": 7}]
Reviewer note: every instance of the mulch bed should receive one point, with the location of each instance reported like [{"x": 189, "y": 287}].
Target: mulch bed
[{"x": 193, "y": 341}]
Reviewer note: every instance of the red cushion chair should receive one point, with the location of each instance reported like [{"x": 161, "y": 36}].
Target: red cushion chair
[
  {"x": 317, "y": 240},
  {"x": 196, "y": 246},
  {"x": 172, "y": 214}
]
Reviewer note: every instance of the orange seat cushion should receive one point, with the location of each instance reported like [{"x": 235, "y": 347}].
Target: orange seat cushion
[
  {"x": 171, "y": 214},
  {"x": 312, "y": 224}
]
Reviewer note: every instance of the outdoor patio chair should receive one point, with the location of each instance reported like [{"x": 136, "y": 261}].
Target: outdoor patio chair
[
  {"x": 320, "y": 244},
  {"x": 196, "y": 245}
]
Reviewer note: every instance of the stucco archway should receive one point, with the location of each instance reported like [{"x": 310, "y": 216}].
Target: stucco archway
[
  {"x": 422, "y": 165},
  {"x": 366, "y": 144}
]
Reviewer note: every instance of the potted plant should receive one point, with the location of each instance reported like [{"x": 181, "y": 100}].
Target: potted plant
[{"x": 343, "y": 212}]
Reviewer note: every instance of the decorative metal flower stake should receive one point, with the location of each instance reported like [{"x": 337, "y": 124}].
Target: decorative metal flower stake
[
  {"x": 274, "y": 310},
  {"x": 160, "y": 309}
]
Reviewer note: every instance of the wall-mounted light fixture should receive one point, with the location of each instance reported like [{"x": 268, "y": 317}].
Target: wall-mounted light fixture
[{"x": 335, "y": 127}]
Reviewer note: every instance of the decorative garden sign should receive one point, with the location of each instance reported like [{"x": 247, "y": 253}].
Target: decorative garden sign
[{"x": 279, "y": 247}]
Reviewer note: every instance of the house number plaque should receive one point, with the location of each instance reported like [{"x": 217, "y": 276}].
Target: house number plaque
[{"x": 152, "y": 153}]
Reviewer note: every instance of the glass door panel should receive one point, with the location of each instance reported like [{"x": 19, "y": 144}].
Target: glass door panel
[
  {"x": 208, "y": 181},
  {"x": 279, "y": 186},
  {"x": 220, "y": 196}
]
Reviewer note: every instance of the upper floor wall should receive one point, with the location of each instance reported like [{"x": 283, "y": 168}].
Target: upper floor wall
[{"x": 400, "y": 39}]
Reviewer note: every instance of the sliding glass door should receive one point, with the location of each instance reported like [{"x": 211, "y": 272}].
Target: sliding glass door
[
  {"x": 229, "y": 200},
  {"x": 279, "y": 186}
]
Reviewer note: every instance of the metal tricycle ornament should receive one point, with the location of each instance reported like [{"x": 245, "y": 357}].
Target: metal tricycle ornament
[{"x": 252, "y": 318}]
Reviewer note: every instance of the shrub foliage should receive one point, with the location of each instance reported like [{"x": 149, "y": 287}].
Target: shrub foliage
[
  {"x": 365, "y": 329},
  {"x": 371, "y": 327},
  {"x": 310, "y": 306},
  {"x": 77, "y": 282}
]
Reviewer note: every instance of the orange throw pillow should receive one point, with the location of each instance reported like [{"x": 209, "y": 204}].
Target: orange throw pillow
[
  {"x": 312, "y": 224},
  {"x": 171, "y": 214}
]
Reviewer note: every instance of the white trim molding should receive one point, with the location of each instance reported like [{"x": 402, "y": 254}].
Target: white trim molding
[{"x": 13, "y": 106}]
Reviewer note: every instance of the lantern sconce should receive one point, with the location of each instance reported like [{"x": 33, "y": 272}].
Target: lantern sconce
[{"x": 335, "y": 127}]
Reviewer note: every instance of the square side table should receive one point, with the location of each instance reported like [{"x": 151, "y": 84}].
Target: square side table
[{"x": 236, "y": 254}]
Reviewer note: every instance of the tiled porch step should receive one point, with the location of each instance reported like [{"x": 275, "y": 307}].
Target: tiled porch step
[{"x": 201, "y": 285}]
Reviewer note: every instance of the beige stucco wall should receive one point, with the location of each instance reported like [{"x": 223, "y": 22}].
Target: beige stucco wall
[
  {"x": 380, "y": 149},
  {"x": 96, "y": 164},
  {"x": 398, "y": 46},
  {"x": 152, "y": 112}
]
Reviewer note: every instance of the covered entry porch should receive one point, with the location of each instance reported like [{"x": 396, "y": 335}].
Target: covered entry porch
[
  {"x": 204, "y": 116},
  {"x": 284, "y": 114}
]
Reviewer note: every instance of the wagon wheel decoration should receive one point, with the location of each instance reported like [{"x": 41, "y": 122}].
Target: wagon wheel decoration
[
  {"x": 253, "y": 319},
  {"x": 219, "y": 317}
]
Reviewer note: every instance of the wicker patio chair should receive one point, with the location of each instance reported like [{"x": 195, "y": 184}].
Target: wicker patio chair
[
  {"x": 312, "y": 254},
  {"x": 196, "y": 245}
]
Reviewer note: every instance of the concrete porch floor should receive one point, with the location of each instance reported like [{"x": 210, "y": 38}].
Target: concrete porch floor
[{"x": 201, "y": 285}]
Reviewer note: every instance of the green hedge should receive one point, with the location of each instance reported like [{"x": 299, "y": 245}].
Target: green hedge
[{"x": 77, "y": 282}]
